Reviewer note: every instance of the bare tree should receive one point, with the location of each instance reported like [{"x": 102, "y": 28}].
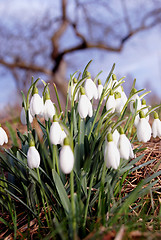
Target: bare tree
[{"x": 41, "y": 44}]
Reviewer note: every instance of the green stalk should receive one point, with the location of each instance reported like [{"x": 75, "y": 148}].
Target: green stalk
[
  {"x": 73, "y": 203},
  {"x": 101, "y": 190},
  {"x": 55, "y": 159},
  {"x": 88, "y": 198},
  {"x": 57, "y": 96},
  {"x": 42, "y": 195}
]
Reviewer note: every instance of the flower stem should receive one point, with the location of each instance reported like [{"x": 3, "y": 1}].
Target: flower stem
[{"x": 72, "y": 203}]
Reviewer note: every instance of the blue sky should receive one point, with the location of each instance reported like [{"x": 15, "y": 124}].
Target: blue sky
[{"x": 140, "y": 57}]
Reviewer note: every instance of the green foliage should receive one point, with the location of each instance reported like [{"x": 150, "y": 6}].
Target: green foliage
[{"x": 91, "y": 195}]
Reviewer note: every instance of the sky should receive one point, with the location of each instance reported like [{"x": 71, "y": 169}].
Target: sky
[{"x": 140, "y": 57}]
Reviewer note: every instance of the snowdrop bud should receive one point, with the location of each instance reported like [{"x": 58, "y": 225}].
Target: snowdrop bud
[
  {"x": 156, "y": 126},
  {"x": 111, "y": 153},
  {"x": 71, "y": 90},
  {"x": 23, "y": 116},
  {"x": 33, "y": 156},
  {"x": 124, "y": 146},
  {"x": 90, "y": 89},
  {"x": 99, "y": 88},
  {"x": 3, "y": 136},
  {"x": 84, "y": 105},
  {"x": 55, "y": 132},
  {"x": 114, "y": 77},
  {"x": 49, "y": 109},
  {"x": 66, "y": 158},
  {"x": 36, "y": 105},
  {"x": 143, "y": 128},
  {"x": 111, "y": 102}
]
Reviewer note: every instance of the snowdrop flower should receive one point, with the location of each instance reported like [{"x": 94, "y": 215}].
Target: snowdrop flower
[
  {"x": 135, "y": 99},
  {"x": 84, "y": 105},
  {"x": 55, "y": 133},
  {"x": 90, "y": 89},
  {"x": 124, "y": 146},
  {"x": 156, "y": 126},
  {"x": 136, "y": 121},
  {"x": 23, "y": 116},
  {"x": 36, "y": 105},
  {"x": 116, "y": 136},
  {"x": 143, "y": 104},
  {"x": 111, "y": 102},
  {"x": 111, "y": 153},
  {"x": 49, "y": 109},
  {"x": 143, "y": 128},
  {"x": 3, "y": 136},
  {"x": 33, "y": 156},
  {"x": 66, "y": 158},
  {"x": 119, "y": 104},
  {"x": 99, "y": 88},
  {"x": 71, "y": 90}
]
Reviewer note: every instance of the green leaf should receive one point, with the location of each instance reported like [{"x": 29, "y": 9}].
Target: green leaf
[
  {"x": 61, "y": 191},
  {"x": 12, "y": 134}
]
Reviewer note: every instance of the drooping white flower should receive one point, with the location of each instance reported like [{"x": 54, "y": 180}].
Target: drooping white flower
[
  {"x": 66, "y": 158},
  {"x": 49, "y": 109},
  {"x": 124, "y": 146},
  {"x": 90, "y": 89},
  {"x": 3, "y": 136},
  {"x": 84, "y": 105},
  {"x": 99, "y": 88},
  {"x": 33, "y": 156},
  {"x": 23, "y": 116},
  {"x": 36, "y": 104},
  {"x": 55, "y": 133},
  {"x": 71, "y": 90},
  {"x": 111, "y": 102},
  {"x": 111, "y": 153},
  {"x": 156, "y": 126},
  {"x": 143, "y": 128}
]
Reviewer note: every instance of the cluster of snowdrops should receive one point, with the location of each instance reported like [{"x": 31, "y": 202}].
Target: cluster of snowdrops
[{"x": 117, "y": 144}]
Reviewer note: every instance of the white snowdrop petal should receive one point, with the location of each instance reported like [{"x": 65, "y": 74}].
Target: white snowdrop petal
[
  {"x": 33, "y": 157},
  {"x": 3, "y": 136},
  {"x": 123, "y": 145},
  {"x": 36, "y": 104},
  {"x": 116, "y": 136},
  {"x": 62, "y": 137},
  {"x": 143, "y": 130},
  {"x": 55, "y": 133},
  {"x": 100, "y": 89},
  {"x": 66, "y": 159},
  {"x": 156, "y": 128},
  {"x": 90, "y": 89},
  {"x": 23, "y": 116},
  {"x": 83, "y": 106},
  {"x": 111, "y": 103},
  {"x": 111, "y": 155},
  {"x": 49, "y": 110}
]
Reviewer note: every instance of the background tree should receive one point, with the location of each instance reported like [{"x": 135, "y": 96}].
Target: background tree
[{"x": 44, "y": 43}]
